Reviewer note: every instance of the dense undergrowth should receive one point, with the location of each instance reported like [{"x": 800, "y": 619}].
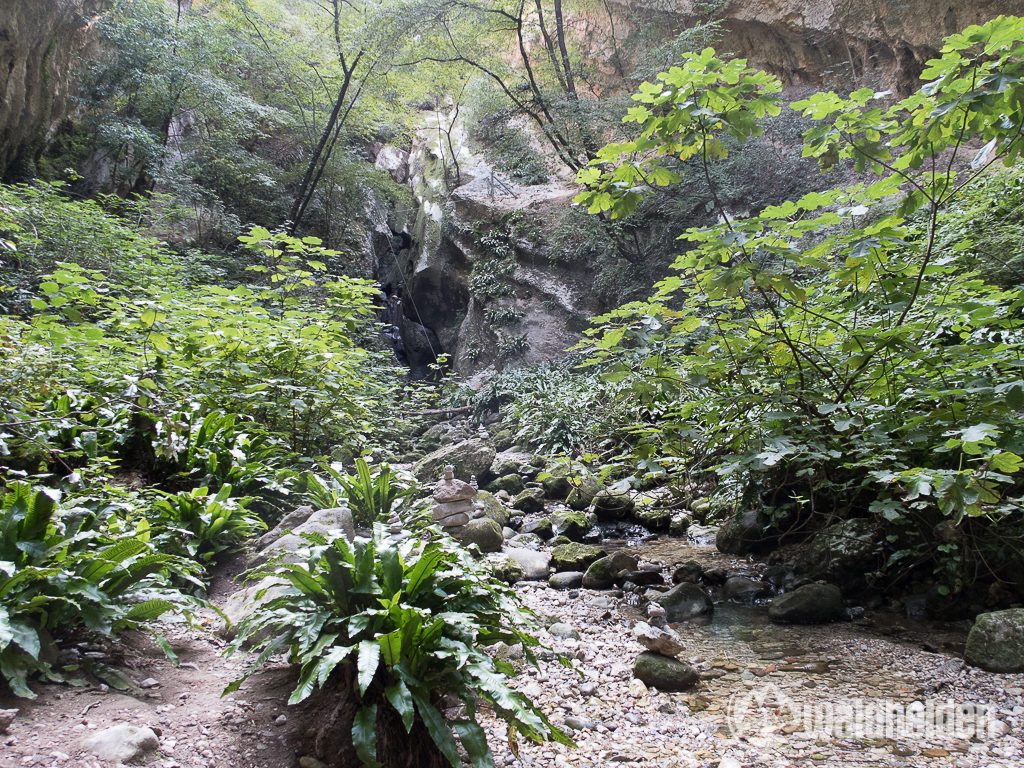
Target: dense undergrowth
[
  {"x": 155, "y": 414},
  {"x": 855, "y": 353}
]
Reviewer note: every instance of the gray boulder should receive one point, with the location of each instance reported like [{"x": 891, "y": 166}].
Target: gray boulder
[
  {"x": 292, "y": 520},
  {"x": 684, "y": 602},
  {"x": 841, "y": 553},
  {"x": 742, "y": 533},
  {"x": 996, "y": 641},
  {"x": 243, "y": 602},
  {"x": 608, "y": 571},
  {"x": 483, "y": 532},
  {"x": 656, "y": 520},
  {"x": 287, "y": 540},
  {"x": 742, "y": 589},
  {"x": 122, "y": 743},
  {"x": 609, "y": 505},
  {"x": 809, "y": 604},
  {"x": 566, "y": 580},
  {"x": 470, "y": 457},
  {"x": 510, "y": 464},
  {"x": 691, "y": 571},
  {"x": 663, "y": 673},
  {"x": 535, "y": 564}
]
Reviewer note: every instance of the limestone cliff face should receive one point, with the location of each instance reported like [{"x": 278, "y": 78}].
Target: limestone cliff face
[
  {"x": 842, "y": 43},
  {"x": 40, "y": 42},
  {"x": 471, "y": 274}
]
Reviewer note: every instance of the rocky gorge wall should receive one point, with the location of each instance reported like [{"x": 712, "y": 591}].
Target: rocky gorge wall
[
  {"x": 40, "y": 42},
  {"x": 469, "y": 272},
  {"x": 832, "y": 43},
  {"x": 472, "y": 277}
]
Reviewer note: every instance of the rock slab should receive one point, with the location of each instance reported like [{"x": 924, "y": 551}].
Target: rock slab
[
  {"x": 122, "y": 743},
  {"x": 661, "y": 641}
]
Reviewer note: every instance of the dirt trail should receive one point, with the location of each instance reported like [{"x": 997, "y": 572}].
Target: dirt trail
[{"x": 197, "y": 727}]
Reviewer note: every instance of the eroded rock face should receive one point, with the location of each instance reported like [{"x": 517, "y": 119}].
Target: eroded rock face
[
  {"x": 829, "y": 43},
  {"x": 39, "y": 41}
]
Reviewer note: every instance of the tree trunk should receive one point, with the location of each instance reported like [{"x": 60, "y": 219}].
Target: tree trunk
[
  {"x": 570, "y": 83},
  {"x": 322, "y": 152}
]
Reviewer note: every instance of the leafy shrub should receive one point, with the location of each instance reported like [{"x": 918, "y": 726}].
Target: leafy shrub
[
  {"x": 411, "y": 619},
  {"x": 370, "y": 494},
  {"x": 834, "y": 356},
  {"x": 204, "y": 525},
  {"x": 60, "y": 569},
  {"x": 222, "y": 448},
  {"x": 557, "y": 409}
]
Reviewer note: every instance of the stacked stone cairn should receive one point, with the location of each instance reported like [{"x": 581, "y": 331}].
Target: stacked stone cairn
[
  {"x": 396, "y": 527},
  {"x": 658, "y": 666},
  {"x": 454, "y": 506}
]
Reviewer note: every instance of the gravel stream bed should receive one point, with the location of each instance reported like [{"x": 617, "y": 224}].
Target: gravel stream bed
[{"x": 839, "y": 694}]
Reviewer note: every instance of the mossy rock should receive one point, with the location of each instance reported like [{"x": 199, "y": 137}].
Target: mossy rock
[
  {"x": 556, "y": 483},
  {"x": 604, "y": 573},
  {"x": 508, "y": 570},
  {"x": 609, "y": 505},
  {"x": 504, "y": 439},
  {"x": 679, "y": 525},
  {"x": 540, "y": 526},
  {"x": 483, "y": 532},
  {"x": 663, "y": 673},
  {"x": 996, "y": 641},
  {"x": 582, "y": 495},
  {"x": 530, "y": 500},
  {"x": 654, "y": 519},
  {"x": 575, "y": 556},
  {"x": 559, "y": 541},
  {"x": 571, "y": 524},
  {"x": 511, "y": 484},
  {"x": 507, "y": 466},
  {"x": 493, "y": 508}
]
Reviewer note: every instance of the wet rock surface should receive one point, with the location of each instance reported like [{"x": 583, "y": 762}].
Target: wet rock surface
[{"x": 809, "y": 604}]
